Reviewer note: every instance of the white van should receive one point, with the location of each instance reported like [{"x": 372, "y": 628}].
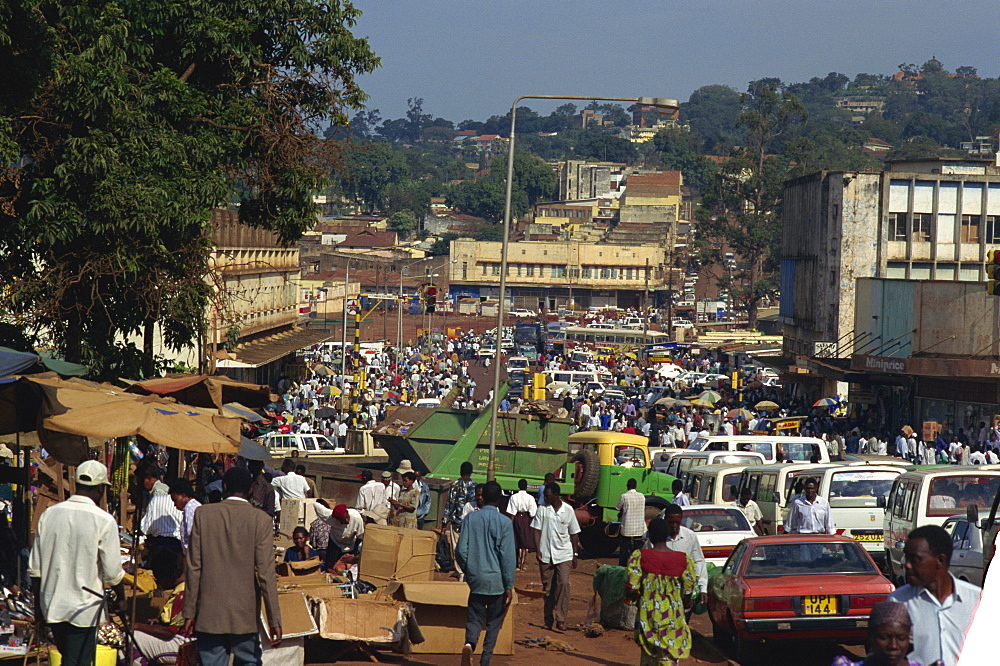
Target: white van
[
  {"x": 857, "y": 496},
  {"x": 773, "y": 486},
  {"x": 518, "y": 363},
  {"x": 795, "y": 449},
  {"x": 678, "y": 465},
  {"x": 928, "y": 496},
  {"x": 713, "y": 484},
  {"x": 559, "y": 381},
  {"x": 282, "y": 445}
]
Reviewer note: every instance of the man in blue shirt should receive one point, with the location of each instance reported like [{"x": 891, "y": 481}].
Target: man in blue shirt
[
  {"x": 488, "y": 556},
  {"x": 549, "y": 478}
]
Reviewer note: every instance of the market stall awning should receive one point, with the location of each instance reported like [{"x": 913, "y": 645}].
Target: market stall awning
[
  {"x": 14, "y": 362},
  {"x": 204, "y": 390},
  {"x": 167, "y": 423},
  {"x": 261, "y": 352}
]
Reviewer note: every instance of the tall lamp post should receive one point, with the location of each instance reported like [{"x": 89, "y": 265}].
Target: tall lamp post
[{"x": 661, "y": 104}]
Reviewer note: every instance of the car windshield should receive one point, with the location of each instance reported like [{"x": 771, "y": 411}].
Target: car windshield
[
  {"x": 860, "y": 488},
  {"x": 811, "y": 558},
  {"x": 798, "y": 450},
  {"x": 952, "y": 494},
  {"x": 715, "y": 520}
]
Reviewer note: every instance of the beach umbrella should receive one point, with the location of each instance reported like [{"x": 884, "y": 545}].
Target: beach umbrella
[
  {"x": 330, "y": 391},
  {"x": 827, "y": 402},
  {"x": 767, "y": 405},
  {"x": 739, "y": 414},
  {"x": 665, "y": 401},
  {"x": 710, "y": 396},
  {"x": 325, "y": 412},
  {"x": 699, "y": 402}
]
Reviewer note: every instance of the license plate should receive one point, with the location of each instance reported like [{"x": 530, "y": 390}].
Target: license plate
[
  {"x": 867, "y": 537},
  {"x": 819, "y": 605}
]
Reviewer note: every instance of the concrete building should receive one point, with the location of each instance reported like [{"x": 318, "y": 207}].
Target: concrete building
[
  {"x": 920, "y": 220},
  {"x": 586, "y": 180},
  {"x": 252, "y": 321},
  {"x": 551, "y": 275}
]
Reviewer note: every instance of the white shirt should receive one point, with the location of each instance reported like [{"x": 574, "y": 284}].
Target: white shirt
[
  {"x": 76, "y": 546},
  {"x": 751, "y": 511},
  {"x": 346, "y": 534},
  {"x": 291, "y": 486},
  {"x": 522, "y": 501},
  {"x": 371, "y": 495},
  {"x": 939, "y": 627},
  {"x": 681, "y": 499},
  {"x": 161, "y": 518},
  {"x": 810, "y": 517},
  {"x": 555, "y": 527},
  {"x": 632, "y": 506},
  {"x": 686, "y": 541}
]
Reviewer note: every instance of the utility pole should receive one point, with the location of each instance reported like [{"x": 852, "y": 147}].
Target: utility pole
[{"x": 645, "y": 310}]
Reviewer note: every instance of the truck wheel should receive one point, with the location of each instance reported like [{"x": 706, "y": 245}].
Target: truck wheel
[
  {"x": 596, "y": 543},
  {"x": 654, "y": 506},
  {"x": 587, "y": 476}
]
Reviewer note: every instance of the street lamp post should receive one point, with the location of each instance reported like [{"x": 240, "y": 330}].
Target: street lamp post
[{"x": 663, "y": 105}]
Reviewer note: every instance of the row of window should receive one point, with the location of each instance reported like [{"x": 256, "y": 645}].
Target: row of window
[
  {"x": 919, "y": 227},
  {"x": 585, "y": 272},
  {"x": 564, "y": 212}
]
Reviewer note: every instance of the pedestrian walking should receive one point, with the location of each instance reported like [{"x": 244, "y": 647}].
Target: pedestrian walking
[
  {"x": 750, "y": 509},
  {"x": 632, "y": 513},
  {"x": 683, "y": 540},
  {"x": 940, "y": 605},
  {"x": 76, "y": 550},
  {"x": 460, "y": 493},
  {"x": 487, "y": 555},
  {"x": 558, "y": 543},
  {"x": 522, "y": 508},
  {"x": 810, "y": 513},
  {"x": 230, "y": 562},
  {"x": 662, "y": 583}
]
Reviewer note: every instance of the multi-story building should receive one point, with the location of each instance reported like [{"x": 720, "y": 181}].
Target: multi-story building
[
  {"x": 551, "y": 275},
  {"x": 586, "y": 180},
  {"x": 252, "y": 320}
]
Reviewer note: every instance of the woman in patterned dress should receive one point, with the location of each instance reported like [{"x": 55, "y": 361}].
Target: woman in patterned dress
[{"x": 661, "y": 582}]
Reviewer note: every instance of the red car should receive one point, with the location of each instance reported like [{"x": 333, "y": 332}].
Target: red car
[{"x": 790, "y": 587}]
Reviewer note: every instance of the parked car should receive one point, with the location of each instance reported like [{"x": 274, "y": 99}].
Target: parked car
[
  {"x": 719, "y": 528},
  {"x": 521, "y": 312},
  {"x": 679, "y": 322},
  {"x": 967, "y": 553},
  {"x": 794, "y": 587}
]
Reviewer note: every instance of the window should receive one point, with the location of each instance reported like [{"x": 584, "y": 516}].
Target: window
[
  {"x": 465, "y": 270},
  {"x": 993, "y": 229},
  {"x": 484, "y": 269},
  {"x": 970, "y": 228},
  {"x": 605, "y": 273},
  {"x": 922, "y": 227},
  {"x": 519, "y": 270},
  {"x": 614, "y": 273},
  {"x": 628, "y": 273},
  {"x": 586, "y": 272},
  {"x": 897, "y": 226},
  {"x": 530, "y": 270},
  {"x": 496, "y": 269},
  {"x": 574, "y": 272}
]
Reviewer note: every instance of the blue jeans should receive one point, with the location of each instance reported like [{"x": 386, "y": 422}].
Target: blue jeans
[
  {"x": 214, "y": 649},
  {"x": 488, "y": 608}
]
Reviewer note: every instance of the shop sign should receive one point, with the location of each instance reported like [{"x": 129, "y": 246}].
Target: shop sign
[{"x": 929, "y": 367}]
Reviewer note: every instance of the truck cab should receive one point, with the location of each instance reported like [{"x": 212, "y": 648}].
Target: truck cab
[{"x": 601, "y": 463}]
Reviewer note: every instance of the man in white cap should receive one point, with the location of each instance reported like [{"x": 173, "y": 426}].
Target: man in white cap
[{"x": 76, "y": 552}]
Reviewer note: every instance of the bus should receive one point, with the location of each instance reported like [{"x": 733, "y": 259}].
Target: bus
[
  {"x": 614, "y": 337},
  {"x": 555, "y": 337}
]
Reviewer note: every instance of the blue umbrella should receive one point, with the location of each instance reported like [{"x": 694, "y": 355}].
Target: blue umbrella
[{"x": 827, "y": 402}]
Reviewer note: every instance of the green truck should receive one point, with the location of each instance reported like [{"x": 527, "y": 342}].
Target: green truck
[{"x": 591, "y": 467}]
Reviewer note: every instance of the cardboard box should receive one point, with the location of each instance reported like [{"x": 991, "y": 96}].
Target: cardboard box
[
  {"x": 366, "y": 618},
  {"x": 395, "y": 553},
  {"x": 442, "y": 609},
  {"x": 296, "y": 616}
]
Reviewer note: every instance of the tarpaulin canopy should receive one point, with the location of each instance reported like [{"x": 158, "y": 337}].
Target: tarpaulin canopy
[
  {"x": 205, "y": 390},
  {"x": 13, "y": 362},
  {"x": 170, "y": 424},
  {"x": 242, "y": 411}
]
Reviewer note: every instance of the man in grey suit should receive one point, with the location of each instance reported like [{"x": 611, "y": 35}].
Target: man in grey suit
[{"x": 230, "y": 567}]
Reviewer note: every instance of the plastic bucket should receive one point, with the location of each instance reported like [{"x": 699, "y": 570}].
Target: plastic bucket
[{"x": 106, "y": 656}]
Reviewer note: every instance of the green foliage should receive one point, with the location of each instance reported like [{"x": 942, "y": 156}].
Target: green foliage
[
  {"x": 605, "y": 147},
  {"x": 126, "y": 124},
  {"x": 678, "y": 150},
  {"x": 534, "y": 181},
  {"x": 403, "y": 222},
  {"x": 442, "y": 246}
]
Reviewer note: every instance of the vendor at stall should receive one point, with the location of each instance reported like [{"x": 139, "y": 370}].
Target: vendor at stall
[
  {"x": 347, "y": 530},
  {"x": 160, "y": 640}
]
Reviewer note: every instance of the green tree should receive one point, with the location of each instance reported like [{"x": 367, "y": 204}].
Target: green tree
[
  {"x": 534, "y": 180},
  {"x": 367, "y": 170},
  {"x": 679, "y": 150},
  {"x": 403, "y": 222},
  {"x": 126, "y": 123},
  {"x": 712, "y": 112},
  {"x": 742, "y": 210},
  {"x": 605, "y": 147}
]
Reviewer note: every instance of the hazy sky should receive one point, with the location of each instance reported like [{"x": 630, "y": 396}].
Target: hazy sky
[{"x": 471, "y": 58}]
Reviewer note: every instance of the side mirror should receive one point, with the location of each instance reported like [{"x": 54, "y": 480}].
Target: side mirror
[
  {"x": 972, "y": 514},
  {"x": 880, "y": 501}
]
